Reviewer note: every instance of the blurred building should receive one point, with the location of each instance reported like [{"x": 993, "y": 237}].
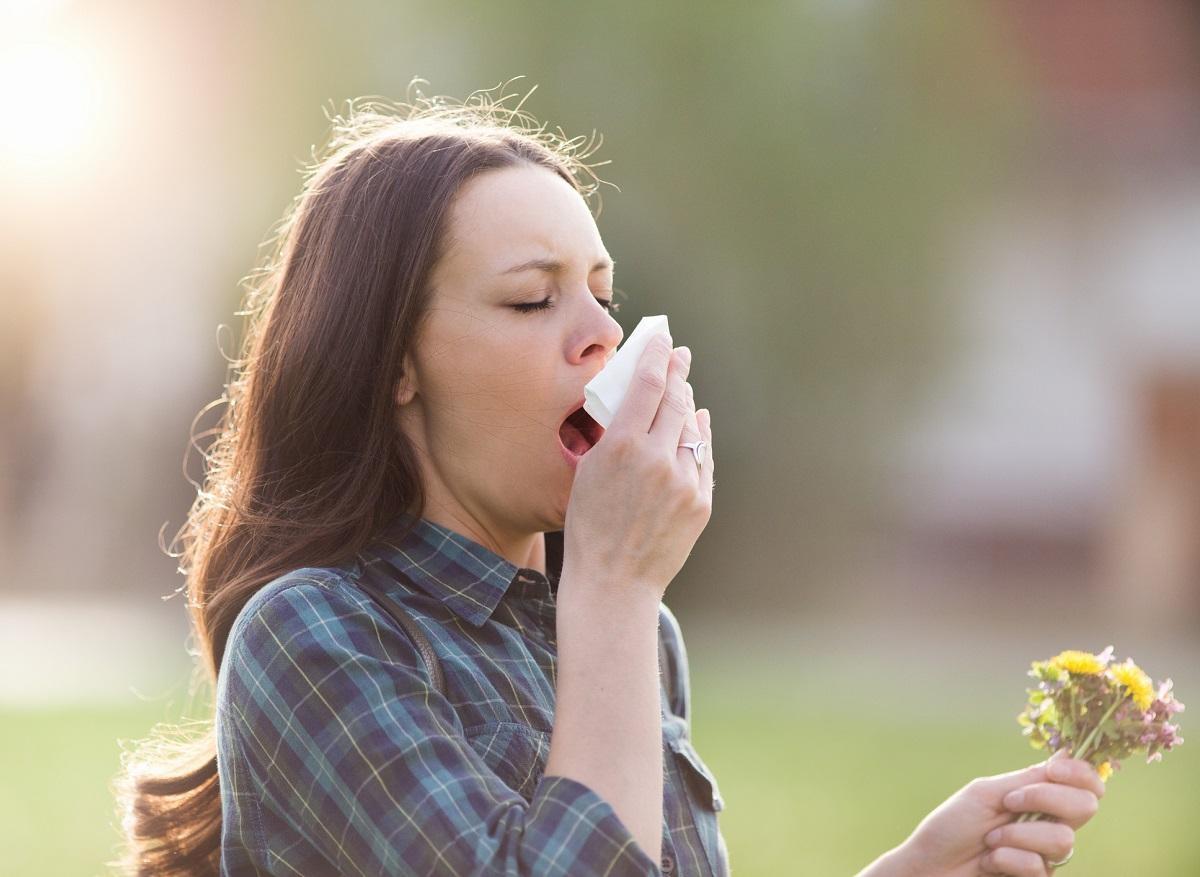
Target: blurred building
[{"x": 1070, "y": 435}]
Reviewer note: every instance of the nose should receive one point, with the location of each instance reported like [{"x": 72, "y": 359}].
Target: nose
[{"x": 603, "y": 334}]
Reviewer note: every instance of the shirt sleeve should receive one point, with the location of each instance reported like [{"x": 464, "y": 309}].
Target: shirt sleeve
[
  {"x": 677, "y": 664},
  {"x": 348, "y": 742}
]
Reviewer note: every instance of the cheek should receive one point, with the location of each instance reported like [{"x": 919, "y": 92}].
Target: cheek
[
  {"x": 499, "y": 373},
  {"x": 460, "y": 369}
]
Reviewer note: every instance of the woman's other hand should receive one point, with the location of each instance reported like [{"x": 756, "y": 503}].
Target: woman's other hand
[{"x": 973, "y": 832}]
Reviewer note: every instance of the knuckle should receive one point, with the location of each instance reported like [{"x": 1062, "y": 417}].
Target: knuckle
[
  {"x": 1023, "y": 862},
  {"x": 1000, "y": 861},
  {"x": 652, "y": 380},
  {"x": 663, "y": 469},
  {"x": 1082, "y": 775},
  {"x": 1064, "y": 839},
  {"x": 1039, "y": 796},
  {"x": 624, "y": 448},
  {"x": 660, "y": 345},
  {"x": 1003, "y": 861},
  {"x": 677, "y": 401}
]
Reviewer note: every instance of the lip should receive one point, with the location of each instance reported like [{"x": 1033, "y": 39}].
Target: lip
[
  {"x": 571, "y": 458},
  {"x": 570, "y": 410}
]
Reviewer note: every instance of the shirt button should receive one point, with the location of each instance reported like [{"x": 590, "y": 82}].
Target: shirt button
[{"x": 668, "y": 864}]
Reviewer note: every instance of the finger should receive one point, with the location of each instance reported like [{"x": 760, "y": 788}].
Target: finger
[
  {"x": 1052, "y": 840},
  {"x": 1072, "y": 805},
  {"x": 668, "y": 422},
  {"x": 1001, "y": 784},
  {"x": 1014, "y": 863},
  {"x": 1076, "y": 772},
  {"x": 690, "y": 433},
  {"x": 636, "y": 411},
  {"x": 704, "y": 420}
]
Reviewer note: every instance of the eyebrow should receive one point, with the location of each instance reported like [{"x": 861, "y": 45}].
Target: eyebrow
[{"x": 552, "y": 266}]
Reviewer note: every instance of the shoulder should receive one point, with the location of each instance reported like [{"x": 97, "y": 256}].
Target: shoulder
[
  {"x": 313, "y": 612},
  {"x": 312, "y": 638},
  {"x": 315, "y": 592}
]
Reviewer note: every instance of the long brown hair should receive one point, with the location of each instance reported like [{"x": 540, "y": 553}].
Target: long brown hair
[{"x": 308, "y": 463}]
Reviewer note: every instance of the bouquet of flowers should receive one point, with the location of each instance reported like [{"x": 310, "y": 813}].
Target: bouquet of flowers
[{"x": 1099, "y": 711}]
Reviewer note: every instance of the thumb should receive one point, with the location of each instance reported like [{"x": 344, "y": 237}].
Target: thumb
[{"x": 1003, "y": 783}]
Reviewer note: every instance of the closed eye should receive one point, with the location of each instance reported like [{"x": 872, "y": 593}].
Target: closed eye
[{"x": 545, "y": 304}]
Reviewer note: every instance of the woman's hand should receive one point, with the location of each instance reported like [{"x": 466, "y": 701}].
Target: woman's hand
[
  {"x": 638, "y": 502},
  {"x": 973, "y": 831}
]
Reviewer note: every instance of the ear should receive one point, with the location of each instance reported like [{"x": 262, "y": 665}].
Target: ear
[{"x": 406, "y": 387}]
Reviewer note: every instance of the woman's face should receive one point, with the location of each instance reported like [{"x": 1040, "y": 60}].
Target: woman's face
[{"x": 489, "y": 382}]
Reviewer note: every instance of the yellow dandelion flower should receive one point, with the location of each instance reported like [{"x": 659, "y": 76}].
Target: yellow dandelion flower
[
  {"x": 1105, "y": 770},
  {"x": 1080, "y": 663},
  {"x": 1136, "y": 683}
]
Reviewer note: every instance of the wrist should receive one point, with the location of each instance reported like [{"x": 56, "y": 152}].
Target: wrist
[
  {"x": 596, "y": 590},
  {"x": 900, "y": 861}
]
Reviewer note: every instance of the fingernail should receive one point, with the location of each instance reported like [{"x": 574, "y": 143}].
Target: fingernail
[
  {"x": 686, "y": 355},
  {"x": 1014, "y": 799},
  {"x": 992, "y": 837}
]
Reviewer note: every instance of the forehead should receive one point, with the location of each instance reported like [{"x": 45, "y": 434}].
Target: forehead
[{"x": 505, "y": 216}]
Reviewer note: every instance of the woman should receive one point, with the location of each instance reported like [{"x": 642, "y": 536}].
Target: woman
[{"x": 438, "y": 298}]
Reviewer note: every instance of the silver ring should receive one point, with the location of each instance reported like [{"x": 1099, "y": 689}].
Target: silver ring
[
  {"x": 1063, "y": 862},
  {"x": 697, "y": 449}
]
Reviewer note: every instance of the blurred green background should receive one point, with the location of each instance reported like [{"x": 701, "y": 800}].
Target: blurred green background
[{"x": 936, "y": 264}]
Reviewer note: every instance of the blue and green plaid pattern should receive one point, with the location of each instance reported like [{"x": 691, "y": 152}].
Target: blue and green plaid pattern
[{"x": 337, "y": 756}]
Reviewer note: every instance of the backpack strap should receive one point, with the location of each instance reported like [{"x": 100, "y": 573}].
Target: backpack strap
[{"x": 372, "y": 583}]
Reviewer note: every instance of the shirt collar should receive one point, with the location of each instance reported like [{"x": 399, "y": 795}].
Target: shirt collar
[{"x": 463, "y": 575}]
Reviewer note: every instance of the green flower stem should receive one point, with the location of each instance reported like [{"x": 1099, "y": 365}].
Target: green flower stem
[
  {"x": 1030, "y": 816},
  {"x": 1096, "y": 730}
]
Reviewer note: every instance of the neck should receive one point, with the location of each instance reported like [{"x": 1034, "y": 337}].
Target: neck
[{"x": 523, "y": 550}]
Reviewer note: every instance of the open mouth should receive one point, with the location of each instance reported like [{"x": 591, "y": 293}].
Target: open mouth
[{"x": 579, "y": 432}]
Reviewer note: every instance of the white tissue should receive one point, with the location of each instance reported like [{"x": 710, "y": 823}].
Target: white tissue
[{"x": 603, "y": 394}]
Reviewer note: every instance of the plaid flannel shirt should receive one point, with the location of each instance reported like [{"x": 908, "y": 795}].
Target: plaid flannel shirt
[{"x": 337, "y": 756}]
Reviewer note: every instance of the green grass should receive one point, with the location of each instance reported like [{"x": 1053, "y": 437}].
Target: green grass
[
  {"x": 57, "y": 814},
  {"x": 813, "y": 784},
  {"x": 823, "y": 783}
]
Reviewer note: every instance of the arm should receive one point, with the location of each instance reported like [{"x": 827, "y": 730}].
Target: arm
[
  {"x": 893, "y": 863},
  {"x": 348, "y": 742},
  {"x": 974, "y": 831},
  {"x": 608, "y": 720}
]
